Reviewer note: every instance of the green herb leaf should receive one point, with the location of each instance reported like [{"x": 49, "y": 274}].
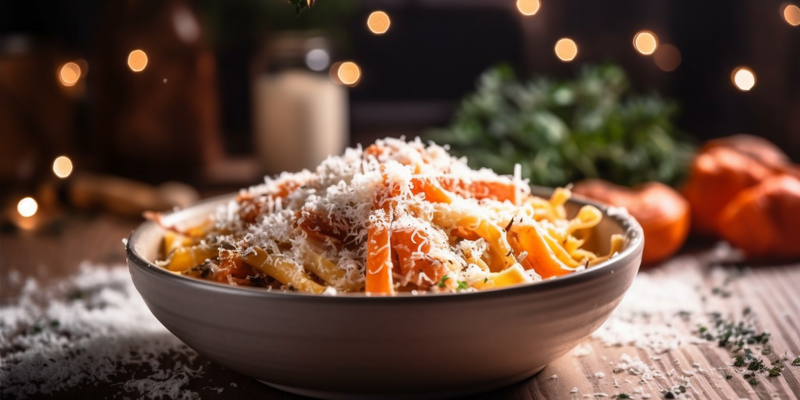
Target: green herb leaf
[
  {"x": 796, "y": 361},
  {"x": 463, "y": 285},
  {"x": 442, "y": 282},
  {"x": 564, "y": 131}
]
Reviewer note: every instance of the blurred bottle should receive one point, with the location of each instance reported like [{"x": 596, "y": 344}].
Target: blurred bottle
[
  {"x": 156, "y": 109},
  {"x": 300, "y": 116}
]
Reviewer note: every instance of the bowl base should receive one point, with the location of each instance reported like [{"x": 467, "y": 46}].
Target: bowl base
[{"x": 321, "y": 394}]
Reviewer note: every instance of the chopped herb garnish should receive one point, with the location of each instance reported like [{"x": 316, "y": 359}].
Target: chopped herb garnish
[
  {"x": 728, "y": 377},
  {"x": 703, "y": 330},
  {"x": 442, "y": 282},
  {"x": 463, "y": 285},
  {"x": 682, "y": 388},
  {"x": 746, "y": 311},
  {"x": 55, "y": 323},
  {"x": 757, "y": 365},
  {"x": 670, "y": 395},
  {"x": 623, "y": 396},
  {"x": 753, "y": 381},
  {"x": 774, "y": 371},
  {"x": 485, "y": 280},
  {"x": 739, "y": 361},
  {"x": 766, "y": 352},
  {"x": 721, "y": 292},
  {"x": 796, "y": 361}
]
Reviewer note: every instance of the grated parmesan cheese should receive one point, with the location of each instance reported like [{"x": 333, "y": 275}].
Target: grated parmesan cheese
[{"x": 91, "y": 329}]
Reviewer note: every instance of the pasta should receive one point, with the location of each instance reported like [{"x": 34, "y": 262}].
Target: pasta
[{"x": 395, "y": 217}]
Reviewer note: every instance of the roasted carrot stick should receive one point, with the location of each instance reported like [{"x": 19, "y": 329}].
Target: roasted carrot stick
[{"x": 379, "y": 256}]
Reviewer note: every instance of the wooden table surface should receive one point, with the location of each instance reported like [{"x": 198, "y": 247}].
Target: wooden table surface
[{"x": 772, "y": 293}]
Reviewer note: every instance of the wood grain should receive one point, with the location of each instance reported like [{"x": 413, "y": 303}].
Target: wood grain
[{"x": 772, "y": 293}]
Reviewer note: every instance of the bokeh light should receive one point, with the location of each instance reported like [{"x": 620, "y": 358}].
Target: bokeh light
[
  {"x": 317, "y": 60},
  {"x": 566, "y": 49},
  {"x": 348, "y": 73},
  {"x": 791, "y": 13},
  {"x": 378, "y": 22},
  {"x": 528, "y": 7},
  {"x": 27, "y": 207},
  {"x": 62, "y": 167},
  {"x": 667, "y": 57},
  {"x": 137, "y": 60},
  {"x": 743, "y": 78},
  {"x": 645, "y": 42},
  {"x": 69, "y": 74}
]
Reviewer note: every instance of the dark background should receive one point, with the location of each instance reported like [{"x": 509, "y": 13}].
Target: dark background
[{"x": 413, "y": 76}]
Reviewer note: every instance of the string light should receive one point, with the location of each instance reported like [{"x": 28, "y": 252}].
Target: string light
[
  {"x": 667, "y": 57},
  {"x": 791, "y": 13},
  {"x": 645, "y": 42},
  {"x": 69, "y": 74},
  {"x": 743, "y": 78},
  {"x": 566, "y": 49},
  {"x": 62, "y": 167},
  {"x": 378, "y": 22},
  {"x": 27, "y": 207},
  {"x": 348, "y": 73},
  {"x": 528, "y": 7},
  {"x": 137, "y": 60}
]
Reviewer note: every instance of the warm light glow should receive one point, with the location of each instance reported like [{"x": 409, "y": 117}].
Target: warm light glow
[
  {"x": 69, "y": 74},
  {"x": 137, "y": 60},
  {"x": 528, "y": 7},
  {"x": 743, "y": 78},
  {"x": 349, "y": 73},
  {"x": 645, "y": 42},
  {"x": 378, "y": 22},
  {"x": 667, "y": 57},
  {"x": 791, "y": 13},
  {"x": 566, "y": 49},
  {"x": 62, "y": 167},
  {"x": 27, "y": 207}
]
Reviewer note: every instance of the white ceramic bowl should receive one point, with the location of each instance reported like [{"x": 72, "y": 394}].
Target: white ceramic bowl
[{"x": 353, "y": 346}]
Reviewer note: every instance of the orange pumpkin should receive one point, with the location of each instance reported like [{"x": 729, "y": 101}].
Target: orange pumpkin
[
  {"x": 725, "y": 167},
  {"x": 662, "y": 212},
  {"x": 717, "y": 175},
  {"x": 764, "y": 220}
]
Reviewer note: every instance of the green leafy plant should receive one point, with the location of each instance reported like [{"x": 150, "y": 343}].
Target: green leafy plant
[{"x": 564, "y": 131}]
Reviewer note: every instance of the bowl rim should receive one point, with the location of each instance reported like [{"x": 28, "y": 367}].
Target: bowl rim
[{"x": 633, "y": 232}]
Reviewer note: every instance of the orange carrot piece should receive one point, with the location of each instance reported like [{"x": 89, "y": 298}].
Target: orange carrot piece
[
  {"x": 433, "y": 191},
  {"x": 379, "y": 258},
  {"x": 540, "y": 257},
  {"x": 405, "y": 243},
  {"x": 495, "y": 190}
]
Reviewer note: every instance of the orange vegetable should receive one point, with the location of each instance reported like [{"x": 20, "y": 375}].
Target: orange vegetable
[
  {"x": 432, "y": 189},
  {"x": 764, "y": 220},
  {"x": 662, "y": 212},
  {"x": 725, "y": 167},
  {"x": 379, "y": 257},
  {"x": 540, "y": 257},
  {"x": 717, "y": 175},
  {"x": 495, "y": 190},
  {"x": 406, "y": 242}
]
